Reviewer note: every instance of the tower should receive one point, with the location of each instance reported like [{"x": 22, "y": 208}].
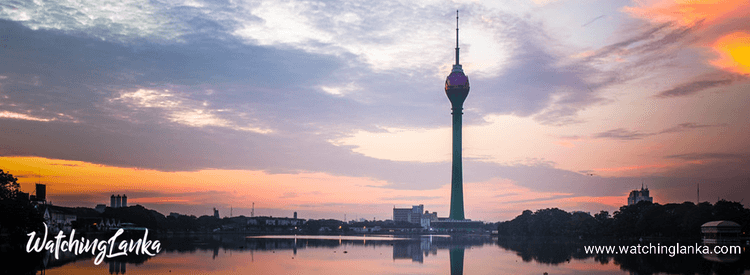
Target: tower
[
  {"x": 124, "y": 201},
  {"x": 457, "y": 89}
]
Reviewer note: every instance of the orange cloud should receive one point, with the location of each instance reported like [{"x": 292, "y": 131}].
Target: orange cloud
[
  {"x": 689, "y": 12},
  {"x": 734, "y": 52},
  {"x": 718, "y": 25}
]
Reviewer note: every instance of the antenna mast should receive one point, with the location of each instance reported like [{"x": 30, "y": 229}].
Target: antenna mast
[{"x": 457, "y": 38}]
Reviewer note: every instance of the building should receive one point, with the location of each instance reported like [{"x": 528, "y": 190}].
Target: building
[
  {"x": 457, "y": 89},
  {"x": 118, "y": 201},
  {"x": 721, "y": 232},
  {"x": 637, "y": 196},
  {"x": 216, "y": 213},
  {"x": 60, "y": 218},
  {"x": 428, "y": 218},
  {"x": 416, "y": 213},
  {"x": 401, "y": 214},
  {"x": 41, "y": 193},
  {"x": 412, "y": 215}
]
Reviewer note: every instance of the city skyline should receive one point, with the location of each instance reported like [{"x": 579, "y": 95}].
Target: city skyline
[{"x": 325, "y": 108}]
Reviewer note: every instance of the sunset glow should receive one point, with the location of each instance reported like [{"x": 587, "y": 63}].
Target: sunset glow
[
  {"x": 734, "y": 53},
  {"x": 340, "y": 109}
]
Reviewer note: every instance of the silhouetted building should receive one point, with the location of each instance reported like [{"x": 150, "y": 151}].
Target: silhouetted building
[
  {"x": 100, "y": 208},
  {"x": 118, "y": 201},
  {"x": 216, "y": 213},
  {"x": 637, "y": 196},
  {"x": 41, "y": 192}
]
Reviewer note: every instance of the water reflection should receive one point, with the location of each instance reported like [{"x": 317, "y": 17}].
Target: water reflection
[
  {"x": 457, "y": 260},
  {"x": 222, "y": 254},
  {"x": 117, "y": 267}
]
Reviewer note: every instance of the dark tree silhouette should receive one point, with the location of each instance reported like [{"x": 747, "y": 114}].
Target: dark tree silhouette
[{"x": 8, "y": 186}]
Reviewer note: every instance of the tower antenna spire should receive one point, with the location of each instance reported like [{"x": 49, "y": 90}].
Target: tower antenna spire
[{"x": 457, "y": 63}]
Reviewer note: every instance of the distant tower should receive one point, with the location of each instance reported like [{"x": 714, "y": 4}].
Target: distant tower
[
  {"x": 124, "y": 201},
  {"x": 113, "y": 201},
  {"x": 216, "y": 213},
  {"x": 457, "y": 89},
  {"x": 295, "y": 215},
  {"x": 118, "y": 201}
]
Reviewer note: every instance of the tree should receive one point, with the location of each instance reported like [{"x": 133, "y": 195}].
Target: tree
[
  {"x": 18, "y": 216},
  {"x": 8, "y": 186}
]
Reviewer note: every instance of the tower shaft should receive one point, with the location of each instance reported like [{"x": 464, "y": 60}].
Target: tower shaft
[{"x": 457, "y": 178}]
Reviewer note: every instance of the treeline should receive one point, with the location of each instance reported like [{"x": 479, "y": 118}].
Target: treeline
[{"x": 644, "y": 219}]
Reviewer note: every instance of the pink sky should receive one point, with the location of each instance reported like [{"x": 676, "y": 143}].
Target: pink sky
[{"x": 333, "y": 110}]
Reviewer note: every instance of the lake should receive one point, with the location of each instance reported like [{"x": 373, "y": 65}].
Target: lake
[{"x": 235, "y": 254}]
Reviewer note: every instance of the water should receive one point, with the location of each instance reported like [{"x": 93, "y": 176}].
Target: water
[{"x": 234, "y": 254}]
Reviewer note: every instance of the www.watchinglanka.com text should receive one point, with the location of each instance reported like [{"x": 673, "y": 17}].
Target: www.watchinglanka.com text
[{"x": 659, "y": 249}]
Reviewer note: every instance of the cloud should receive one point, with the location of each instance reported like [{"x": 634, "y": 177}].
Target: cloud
[
  {"x": 688, "y": 126},
  {"x": 733, "y": 49},
  {"x": 593, "y": 20},
  {"x": 716, "y": 24},
  {"x": 182, "y": 110},
  {"x": 411, "y": 198},
  {"x": 115, "y": 20},
  {"x": 693, "y": 87},
  {"x": 688, "y": 12},
  {"x": 710, "y": 156},
  {"x": 193, "y": 85},
  {"x": 621, "y": 134},
  {"x": 626, "y": 134},
  {"x": 289, "y": 195},
  {"x": 538, "y": 81},
  {"x": 12, "y": 115}
]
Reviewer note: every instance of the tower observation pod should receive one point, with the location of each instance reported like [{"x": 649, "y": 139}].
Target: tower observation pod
[{"x": 457, "y": 89}]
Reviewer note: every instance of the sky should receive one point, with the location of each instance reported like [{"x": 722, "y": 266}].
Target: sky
[{"x": 337, "y": 109}]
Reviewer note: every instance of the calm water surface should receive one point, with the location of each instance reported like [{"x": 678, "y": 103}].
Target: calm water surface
[{"x": 228, "y": 254}]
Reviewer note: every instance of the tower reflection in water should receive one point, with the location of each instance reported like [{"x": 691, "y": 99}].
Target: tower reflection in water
[
  {"x": 417, "y": 251},
  {"x": 117, "y": 267},
  {"x": 457, "y": 260}
]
